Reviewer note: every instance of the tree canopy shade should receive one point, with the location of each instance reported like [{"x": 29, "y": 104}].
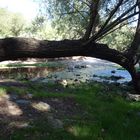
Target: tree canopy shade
[{"x": 89, "y": 21}]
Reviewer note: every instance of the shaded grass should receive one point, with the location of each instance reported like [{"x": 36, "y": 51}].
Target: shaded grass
[{"x": 105, "y": 115}]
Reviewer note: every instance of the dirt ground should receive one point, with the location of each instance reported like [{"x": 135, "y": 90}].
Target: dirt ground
[{"x": 18, "y": 111}]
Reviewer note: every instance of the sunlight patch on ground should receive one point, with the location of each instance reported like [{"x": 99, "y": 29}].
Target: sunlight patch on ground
[
  {"x": 79, "y": 131},
  {"x": 9, "y": 108},
  {"x": 19, "y": 124},
  {"x": 3, "y": 93},
  {"x": 6, "y": 64},
  {"x": 18, "y": 62},
  {"x": 41, "y": 106},
  {"x": 13, "y": 109}
]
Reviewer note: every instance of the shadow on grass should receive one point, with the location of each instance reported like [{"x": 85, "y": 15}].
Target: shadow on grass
[{"x": 78, "y": 112}]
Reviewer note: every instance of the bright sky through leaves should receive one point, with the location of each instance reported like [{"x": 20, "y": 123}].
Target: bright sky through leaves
[{"x": 28, "y": 8}]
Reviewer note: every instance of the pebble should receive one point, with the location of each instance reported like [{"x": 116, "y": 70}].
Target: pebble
[{"x": 22, "y": 101}]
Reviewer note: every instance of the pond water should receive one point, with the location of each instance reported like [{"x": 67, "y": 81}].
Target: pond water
[
  {"x": 90, "y": 69},
  {"x": 76, "y": 70}
]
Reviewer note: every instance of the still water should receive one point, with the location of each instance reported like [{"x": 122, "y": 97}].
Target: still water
[{"x": 83, "y": 70}]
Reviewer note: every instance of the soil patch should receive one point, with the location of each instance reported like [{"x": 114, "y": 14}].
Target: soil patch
[{"x": 17, "y": 111}]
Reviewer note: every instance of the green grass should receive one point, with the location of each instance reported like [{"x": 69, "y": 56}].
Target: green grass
[
  {"x": 105, "y": 115},
  {"x": 2, "y": 92},
  {"x": 37, "y": 64}
]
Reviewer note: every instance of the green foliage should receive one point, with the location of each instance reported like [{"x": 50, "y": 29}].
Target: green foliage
[
  {"x": 36, "y": 26},
  {"x": 11, "y": 24},
  {"x": 37, "y": 64},
  {"x": 69, "y": 18},
  {"x": 119, "y": 39},
  {"x": 17, "y": 24},
  {"x": 14, "y": 24},
  {"x": 40, "y": 28}
]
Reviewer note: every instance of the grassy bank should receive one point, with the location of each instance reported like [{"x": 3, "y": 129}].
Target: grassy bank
[
  {"x": 95, "y": 112},
  {"x": 31, "y": 64}
]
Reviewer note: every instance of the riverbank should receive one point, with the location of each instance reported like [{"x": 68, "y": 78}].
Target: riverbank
[{"x": 63, "y": 100}]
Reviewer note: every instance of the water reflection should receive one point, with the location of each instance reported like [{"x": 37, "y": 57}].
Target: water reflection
[
  {"x": 91, "y": 69},
  {"x": 26, "y": 72},
  {"x": 84, "y": 70}
]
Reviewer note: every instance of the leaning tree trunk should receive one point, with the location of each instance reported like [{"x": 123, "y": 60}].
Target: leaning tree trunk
[{"x": 15, "y": 48}]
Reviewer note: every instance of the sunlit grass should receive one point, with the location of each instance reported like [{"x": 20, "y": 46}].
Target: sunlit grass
[
  {"x": 2, "y": 91},
  {"x": 36, "y": 64}
]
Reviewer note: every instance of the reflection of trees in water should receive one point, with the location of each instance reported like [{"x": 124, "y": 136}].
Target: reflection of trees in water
[{"x": 29, "y": 72}]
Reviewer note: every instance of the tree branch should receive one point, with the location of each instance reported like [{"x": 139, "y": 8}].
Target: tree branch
[
  {"x": 111, "y": 14},
  {"x": 92, "y": 19},
  {"x": 76, "y": 10},
  {"x": 116, "y": 29},
  {"x": 119, "y": 20},
  {"x": 114, "y": 24},
  {"x": 16, "y": 48},
  {"x": 87, "y": 4},
  {"x": 135, "y": 45}
]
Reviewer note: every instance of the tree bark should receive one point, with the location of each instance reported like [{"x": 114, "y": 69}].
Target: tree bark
[
  {"x": 15, "y": 48},
  {"x": 133, "y": 53},
  {"x": 93, "y": 8}
]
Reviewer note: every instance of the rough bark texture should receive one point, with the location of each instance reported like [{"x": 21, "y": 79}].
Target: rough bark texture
[
  {"x": 15, "y": 48},
  {"x": 93, "y": 19},
  {"x": 133, "y": 53}
]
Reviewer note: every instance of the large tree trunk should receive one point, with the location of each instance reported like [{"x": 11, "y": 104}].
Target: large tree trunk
[{"x": 15, "y": 48}]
